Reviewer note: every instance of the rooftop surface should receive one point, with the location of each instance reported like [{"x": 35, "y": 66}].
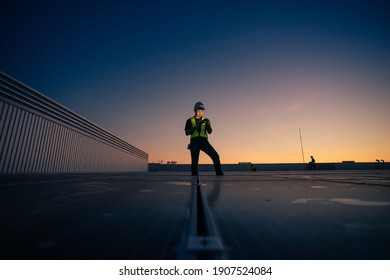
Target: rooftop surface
[{"x": 244, "y": 215}]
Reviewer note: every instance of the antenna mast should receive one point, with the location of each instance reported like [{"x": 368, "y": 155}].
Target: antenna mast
[{"x": 303, "y": 156}]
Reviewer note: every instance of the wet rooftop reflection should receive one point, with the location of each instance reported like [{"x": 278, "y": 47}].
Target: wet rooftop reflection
[{"x": 261, "y": 215}]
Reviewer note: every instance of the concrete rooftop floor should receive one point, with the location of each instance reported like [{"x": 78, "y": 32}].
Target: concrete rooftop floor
[{"x": 257, "y": 215}]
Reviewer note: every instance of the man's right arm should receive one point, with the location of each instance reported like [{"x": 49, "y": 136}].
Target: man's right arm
[{"x": 189, "y": 130}]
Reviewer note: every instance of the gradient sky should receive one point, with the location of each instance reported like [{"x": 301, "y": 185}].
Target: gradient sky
[{"x": 263, "y": 69}]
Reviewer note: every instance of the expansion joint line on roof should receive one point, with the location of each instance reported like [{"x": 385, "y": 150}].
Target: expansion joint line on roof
[{"x": 201, "y": 240}]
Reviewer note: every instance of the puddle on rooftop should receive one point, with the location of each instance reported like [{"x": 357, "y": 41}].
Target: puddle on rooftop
[
  {"x": 344, "y": 201},
  {"x": 358, "y": 202},
  {"x": 179, "y": 183},
  {"x": 319, "y": 187}
]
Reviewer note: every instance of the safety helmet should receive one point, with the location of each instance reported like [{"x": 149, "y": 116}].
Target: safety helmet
[{"x": 199, "y": 106}]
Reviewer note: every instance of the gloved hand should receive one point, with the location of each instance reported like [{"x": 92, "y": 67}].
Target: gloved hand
[{"x": 190, "y": 131}]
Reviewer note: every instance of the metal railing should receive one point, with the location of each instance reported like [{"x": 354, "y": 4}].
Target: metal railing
[{"x": 38, "y": 135}]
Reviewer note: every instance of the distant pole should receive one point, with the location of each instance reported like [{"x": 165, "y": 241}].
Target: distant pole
[{"x": 303, "y": 156}]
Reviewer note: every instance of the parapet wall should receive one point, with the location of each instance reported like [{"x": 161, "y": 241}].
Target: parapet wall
[
  {"x": 38, "y": 135},
  {"x": 271, "y": 167}
]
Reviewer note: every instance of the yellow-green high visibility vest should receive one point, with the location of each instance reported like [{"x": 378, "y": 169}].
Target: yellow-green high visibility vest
[{"x": 202, "y": 132}]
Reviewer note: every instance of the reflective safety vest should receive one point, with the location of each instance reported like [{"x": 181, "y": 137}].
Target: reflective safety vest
[{"x": 202, "y": 132}]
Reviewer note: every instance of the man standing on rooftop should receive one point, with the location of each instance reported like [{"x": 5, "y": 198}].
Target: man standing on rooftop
[{"x": 199, "y": 127}]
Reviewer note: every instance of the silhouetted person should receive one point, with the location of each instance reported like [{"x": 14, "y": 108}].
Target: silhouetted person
[
  {"x": 312, "y": 163},
  {"x": 199, "y": 127},
  {"x": 380, "y": 164}
]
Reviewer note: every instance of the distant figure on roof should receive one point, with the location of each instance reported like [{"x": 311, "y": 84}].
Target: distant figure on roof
[
  {"x": 312, "y": 163},
  {"x": 381, "y": 163},
  {"x": 198, "y": 127}
]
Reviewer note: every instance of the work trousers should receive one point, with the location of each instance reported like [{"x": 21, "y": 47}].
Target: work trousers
[{"x": 202, "y": 144}]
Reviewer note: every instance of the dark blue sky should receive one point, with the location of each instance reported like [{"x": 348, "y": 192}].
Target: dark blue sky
[{"x": 119, "y": 62}]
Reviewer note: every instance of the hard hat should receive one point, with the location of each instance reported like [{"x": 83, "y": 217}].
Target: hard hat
[{"x": 199, "y": 106}]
